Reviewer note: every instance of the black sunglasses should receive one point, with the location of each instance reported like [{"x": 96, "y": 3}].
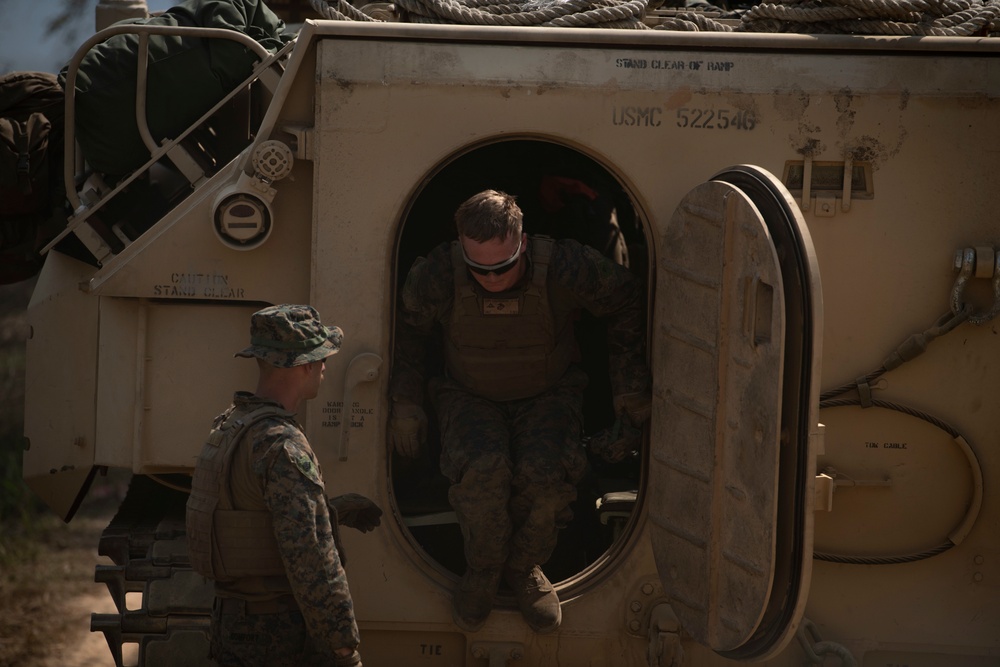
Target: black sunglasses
[{"x": 497, "y": 269}]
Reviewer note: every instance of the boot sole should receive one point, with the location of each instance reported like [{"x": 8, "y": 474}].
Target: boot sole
[
  {"x": 465, "y": 625},
  {"x": 548, "y": 628}
]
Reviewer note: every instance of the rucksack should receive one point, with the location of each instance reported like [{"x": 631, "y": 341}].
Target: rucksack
[
  {"x": 185, "y": 75},
  {"x": 32, "y": 194}
]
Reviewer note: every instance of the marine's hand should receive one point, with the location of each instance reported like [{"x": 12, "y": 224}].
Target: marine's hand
[
  {"x": 407, "y": 428},
  {"x": 637, "y": 407},
  {"x": 356, "y": 511},
  {"x": 625, "y": 436},
  {"x": 347, "y": 659},
  {"x": 617, "y": 441}
]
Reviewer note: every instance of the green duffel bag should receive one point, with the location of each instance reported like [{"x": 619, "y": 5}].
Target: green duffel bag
[{"x": 186, "y": 77}]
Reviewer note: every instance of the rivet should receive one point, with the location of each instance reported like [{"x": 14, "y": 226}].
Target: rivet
[
  {"x": 978, "y": 560},
  {"x": 635, "y": 606},
  {"x": 634, "y": 625},
  {"x": 978, "y": 576}
]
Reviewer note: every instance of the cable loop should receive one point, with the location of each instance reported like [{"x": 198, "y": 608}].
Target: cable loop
[
  {"x": 817, "y": 650},
  {"x": 949, "y": 321},
  {"x": 837, "y": 651}
]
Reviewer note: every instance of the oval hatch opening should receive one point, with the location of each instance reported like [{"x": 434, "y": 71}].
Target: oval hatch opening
[{"x": 562, "y": 193}]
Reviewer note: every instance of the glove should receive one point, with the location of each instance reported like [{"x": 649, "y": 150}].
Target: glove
[
  {"x": 350, "y": 660},
  {"x": 616, "y": 442},
  {"x": 624, "y": 437},
  {"x": 355, "y": 511},
  {"x": 638, "y": 407},
  {"x": 407, "y": 428}
]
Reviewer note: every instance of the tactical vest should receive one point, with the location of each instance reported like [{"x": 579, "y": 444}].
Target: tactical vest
[
  {"x": 509, "y": 345},
  {"x": 226, "y": 543}
]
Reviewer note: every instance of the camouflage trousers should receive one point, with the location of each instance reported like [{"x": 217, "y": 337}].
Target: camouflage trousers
[
  {"x": 513, "y": 466},
  {"x": 240, "y": 639}
]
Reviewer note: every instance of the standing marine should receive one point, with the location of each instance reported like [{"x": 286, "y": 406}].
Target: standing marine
[{"x": 259, "y": 523}]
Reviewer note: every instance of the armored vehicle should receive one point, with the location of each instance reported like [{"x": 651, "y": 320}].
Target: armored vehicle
[{"x": 814, "y": 217}]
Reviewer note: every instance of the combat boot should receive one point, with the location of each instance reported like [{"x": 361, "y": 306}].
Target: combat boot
[
  {"x": 536, "y": 598},
  {"x": 473, "y": 599}
]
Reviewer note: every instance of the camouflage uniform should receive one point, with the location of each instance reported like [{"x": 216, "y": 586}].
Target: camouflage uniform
[
  {"x": 514, "y": 463},
  {"x": 319, "y": 616},
  {"x": 259, "y": 523}
]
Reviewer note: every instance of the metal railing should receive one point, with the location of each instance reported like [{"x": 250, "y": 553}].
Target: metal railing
[{"x": 82, "y": 211}]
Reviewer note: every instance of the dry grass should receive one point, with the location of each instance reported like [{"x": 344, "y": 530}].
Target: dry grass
[
  {"x": 47, "y": 592},
  {"x": 47, "y": 589}
]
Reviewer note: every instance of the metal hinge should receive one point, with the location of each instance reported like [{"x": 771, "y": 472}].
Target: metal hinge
[{"x": 664, "y": 638}]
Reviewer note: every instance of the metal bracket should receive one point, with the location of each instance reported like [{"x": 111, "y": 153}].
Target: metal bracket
[
  {"x": 363, "y": 368},
  {"x": 807, "y": 177},
  {"x": 302, "y": 145},
  {"x": 826, "y": 206},
  {"x": 499, "y": 654},
  {"x": 824, "y": 493},
  {"x": 978, "y": 262},
  {"x": 665, "y": 648},
  {"x": 829, "y": 479},
  {"x": 643, "y": 597},
  {"x": 826, "y": 196},
  {"x": 845, "y": 202}
]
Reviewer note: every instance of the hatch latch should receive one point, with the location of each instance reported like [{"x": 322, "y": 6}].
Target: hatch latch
[{"x": 664, "y": 638}]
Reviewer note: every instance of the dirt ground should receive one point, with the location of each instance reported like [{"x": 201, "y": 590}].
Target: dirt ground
[
  {"x": 47, "y": 588},
  {"x": 48, "y": 594}
]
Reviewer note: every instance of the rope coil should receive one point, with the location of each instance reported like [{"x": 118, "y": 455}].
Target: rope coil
[
  {"x": 960, "y": 18},
  {"x": 859, "y": 17}
]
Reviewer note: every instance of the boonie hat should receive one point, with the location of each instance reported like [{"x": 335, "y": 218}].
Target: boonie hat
[{"x": 290, "y": 335}]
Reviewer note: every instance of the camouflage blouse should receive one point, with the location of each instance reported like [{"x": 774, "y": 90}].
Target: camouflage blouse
[
  {"x": 578, "y": 276},
  {"x": 285, "y": 475}
]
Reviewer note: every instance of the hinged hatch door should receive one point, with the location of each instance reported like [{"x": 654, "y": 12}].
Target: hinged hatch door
[{"x": 736, "y": 348}]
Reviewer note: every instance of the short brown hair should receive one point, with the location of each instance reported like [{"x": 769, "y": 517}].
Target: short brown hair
[{"x": 489, "y": 215}]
